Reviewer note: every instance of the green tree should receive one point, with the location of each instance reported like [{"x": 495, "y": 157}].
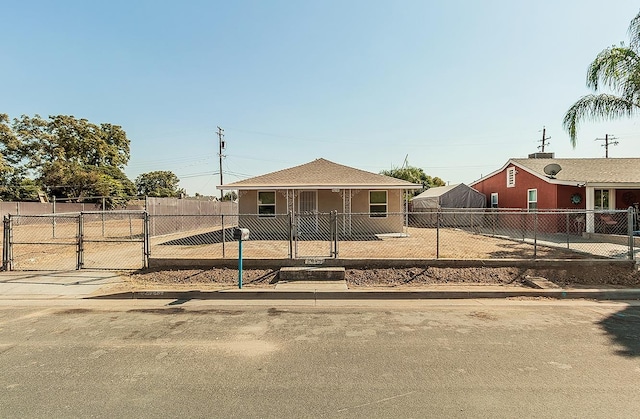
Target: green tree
[
  {"x": 66, "y": 157},
  {"x": 414, "y": 175},
  {"x": 230, "y": 196},
  {"x": 159, "y": 184},
  {"x": 617, "y": 69}
]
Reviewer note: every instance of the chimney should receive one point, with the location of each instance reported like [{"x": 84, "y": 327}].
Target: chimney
[{"x": 542, "y": 156}]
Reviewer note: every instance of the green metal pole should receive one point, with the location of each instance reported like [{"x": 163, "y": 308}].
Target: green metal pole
[{"x": 240, "y": 264}]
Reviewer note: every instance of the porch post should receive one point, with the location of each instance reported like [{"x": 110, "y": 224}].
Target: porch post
[{"x": 589, "y": 205}]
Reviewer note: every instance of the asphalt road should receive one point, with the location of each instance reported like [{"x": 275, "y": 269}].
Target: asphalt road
[{"x": 475, "y": 359}]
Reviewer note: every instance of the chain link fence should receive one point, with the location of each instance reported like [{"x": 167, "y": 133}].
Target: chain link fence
[
  {"x": 96, "y": 240},
  {"x": 126, "y": 239},
  {"x": 460, "y": 234},
  {"x": 526, "y": 235}
]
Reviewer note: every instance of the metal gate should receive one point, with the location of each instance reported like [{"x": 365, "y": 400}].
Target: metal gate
[
  {"x": 93, "y": 240},
  {"x": 315, "y": 235}
]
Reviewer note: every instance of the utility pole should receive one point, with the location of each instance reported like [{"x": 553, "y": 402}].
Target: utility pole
[
  {"x": 220, "y": 155},
  {"x": 544, "y": 139},
  {"x": 606, "y": 140}
]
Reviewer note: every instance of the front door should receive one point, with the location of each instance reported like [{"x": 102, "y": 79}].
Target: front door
[{"x": 307, "y": 212}]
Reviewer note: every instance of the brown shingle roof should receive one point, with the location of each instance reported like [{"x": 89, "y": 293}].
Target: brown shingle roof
[
  {"x": 598, "y": 170},
  {"x": 321, "y": 174}
]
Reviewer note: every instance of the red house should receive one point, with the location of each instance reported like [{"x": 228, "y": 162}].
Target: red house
[{"x": 544, "y": 182}]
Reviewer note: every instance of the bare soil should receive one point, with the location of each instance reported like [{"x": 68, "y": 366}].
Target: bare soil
[{"x": 576, "y": 276}]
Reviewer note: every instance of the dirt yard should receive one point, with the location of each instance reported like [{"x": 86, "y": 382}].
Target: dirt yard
[{"x": 577, "y": 276}]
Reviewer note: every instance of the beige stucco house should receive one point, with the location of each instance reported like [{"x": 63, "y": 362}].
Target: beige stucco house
[{"x": 366, "y": 202}]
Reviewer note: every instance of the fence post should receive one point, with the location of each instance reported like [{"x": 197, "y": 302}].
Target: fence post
[
  {"x": 80, "y": 260},
  {"x": 103, "y": 204},
  {"x": 567, "y": 228},
  {"x": 146, "y": 246},
  {"x": 337, "y": 243},
  {"x": 223, "y": 234},
  {"x": 630, "y": 218},
  {"x": 438, "y": 234},
  {"x": 535, "y": 234},
  {"x": 6, "y": 243},
  {"x": 333, "y": 228},
  {"x": 290, "y": 235},
  {"x": 53, "y": 219}
]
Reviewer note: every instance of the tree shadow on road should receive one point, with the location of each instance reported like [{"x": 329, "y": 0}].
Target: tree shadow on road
[{"x": 623, "y": 328}]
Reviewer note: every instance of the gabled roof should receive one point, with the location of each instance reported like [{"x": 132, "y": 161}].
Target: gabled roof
[
  {"x": 580, "y": 171},
  {"x": 436, "y": 191},
  {"x": 321, "y": 174},
  {"x": 451, "y": 196}
]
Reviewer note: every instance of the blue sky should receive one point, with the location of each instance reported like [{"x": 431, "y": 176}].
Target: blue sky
[{"x": 457, "y": 86}]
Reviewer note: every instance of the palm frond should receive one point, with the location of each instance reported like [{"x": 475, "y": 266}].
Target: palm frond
[
  {"x": 596, "y": 108},
  {"x": 612, "y": 68},
  {"x": 634, "y": 32}
]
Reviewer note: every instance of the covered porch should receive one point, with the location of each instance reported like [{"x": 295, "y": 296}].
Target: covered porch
[{"x": 604, "y": 203}]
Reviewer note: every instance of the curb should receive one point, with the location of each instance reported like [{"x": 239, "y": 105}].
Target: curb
[{"x": 562, "y": 294}]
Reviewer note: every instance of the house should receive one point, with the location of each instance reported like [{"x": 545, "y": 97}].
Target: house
[
  {"x": 367, "y": 202},
  {"x": 543, "y": 182}
]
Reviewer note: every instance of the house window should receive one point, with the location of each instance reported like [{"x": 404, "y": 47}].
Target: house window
[
  {"x": 266, "y": 203},
  {"x": 532, "y": 199},
  {"x": 601, "y": 201},
  {"x": 511, "y": 177},
  {"x": 494, "y": 200},
  {"x": 378, "y": 203}
]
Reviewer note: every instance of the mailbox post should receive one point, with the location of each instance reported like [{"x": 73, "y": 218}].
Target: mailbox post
[{"x": 240, "y": 234}]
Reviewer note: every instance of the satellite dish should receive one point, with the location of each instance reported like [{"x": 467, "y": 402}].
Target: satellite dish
[{"x": 552, "y": 169}]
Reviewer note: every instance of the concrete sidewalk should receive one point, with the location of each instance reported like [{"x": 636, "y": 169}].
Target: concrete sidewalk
[
  {"x": 85, "y": 284},
  {"x": 54, "y": 284}
]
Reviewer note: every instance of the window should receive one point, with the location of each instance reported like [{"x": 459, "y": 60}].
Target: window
[
  {"x": 378, "y": 203},
  {"x": 601, "y": 201},
  {"x": 511, "y": 177},
  {"x": 494, "y": 200},
  {"x": 532, "y": 199},
  {"x": 266, "y": 203}
]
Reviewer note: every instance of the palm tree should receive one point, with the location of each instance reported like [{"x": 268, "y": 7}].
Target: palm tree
[{"x": 618, "y": 69}]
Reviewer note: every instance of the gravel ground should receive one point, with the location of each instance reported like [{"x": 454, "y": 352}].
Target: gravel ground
[{"x": 394, "y": 277}]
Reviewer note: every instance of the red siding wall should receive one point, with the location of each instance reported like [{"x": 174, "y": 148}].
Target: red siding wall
[
  {"x": 626, "y": 198},
  {"x": 564, "y": 197},
  {"x": 516, "y": 197}
]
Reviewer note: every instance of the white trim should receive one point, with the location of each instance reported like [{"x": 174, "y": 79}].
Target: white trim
[
  {"x": 386, "y": 204},
  {"x": 611, "y": 198},
  {"x": 511, "y": 177},
  {"x": 491, "y": 200},
  {"x": 275, "y": 204},
  {"x": 611, "y": 185},
  {"x": 529, "y": 201}
]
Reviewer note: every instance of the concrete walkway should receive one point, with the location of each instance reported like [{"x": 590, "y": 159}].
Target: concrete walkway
[
  {"x": 340, "y": 285},
  {"x": 54, "y": 284}
]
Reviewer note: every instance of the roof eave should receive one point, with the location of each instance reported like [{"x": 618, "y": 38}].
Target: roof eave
[{"x": 272, "y": 187}]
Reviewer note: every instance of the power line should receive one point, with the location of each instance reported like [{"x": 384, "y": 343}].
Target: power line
[
  {"x": 544, "y": 139},
  {"x": 606, "y": 140},
  {"x": 403, "y": 142}
]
